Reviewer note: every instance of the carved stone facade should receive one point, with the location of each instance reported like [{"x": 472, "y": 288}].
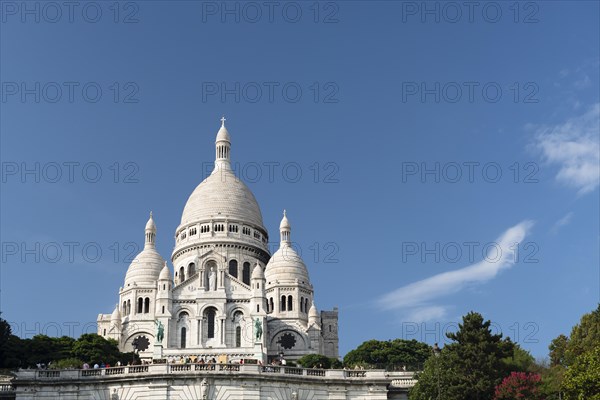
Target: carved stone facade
[{"x": 224, "y": 286}]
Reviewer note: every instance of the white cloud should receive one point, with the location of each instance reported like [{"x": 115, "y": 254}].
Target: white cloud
[
  {"x": 566, "y": 220},
  {"x": 583, "y": 82},
  {"x": 575, "y": 147},
  {"x": 416, "y": 299},
  {"x": 426, "y": 313}
]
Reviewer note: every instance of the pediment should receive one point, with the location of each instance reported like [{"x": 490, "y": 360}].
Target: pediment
[{"x": 234, "y": 285}]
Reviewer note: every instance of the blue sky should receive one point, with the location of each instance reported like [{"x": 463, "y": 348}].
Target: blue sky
[{"x": 432, "y": 161}]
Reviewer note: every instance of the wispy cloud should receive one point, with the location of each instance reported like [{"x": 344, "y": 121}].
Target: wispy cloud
[
  {"x": 575, "y": 147},
  {"x": 566, "y": 220},
  {"x": 417, "y": 300}
]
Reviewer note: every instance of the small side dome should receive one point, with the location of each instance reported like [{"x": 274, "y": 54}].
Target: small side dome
[
  {"x": 313, "y": 314},
  {"x": 145, "y": 268},
  {"x": 116, "y": 314},
  {"x": 257, "y": 272},
  {"x": 165, "y": 273},
  {"x": 286, "y": 267}
]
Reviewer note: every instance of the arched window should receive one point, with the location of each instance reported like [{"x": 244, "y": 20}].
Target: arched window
[
  {"x": 191, "y": 269},
  {"x": 258, "y": 308},
  {"x": 305, "y": 305},
  {"x": 163, "y": 309},
  {"x": 210, "y": 322},
  {"x": 140, "y": 305},
  {"x": 233, "y": 268},
  {"x": 183, "y": 337},
  {"x": 290, "y": 302},
  {"x": 164, "y": 286},
  {"x": 246, "y": 273},
  {"x": 104, "y": 334},
  {"x": 124, "y": 308},
  {"x": 128, "y": 307},
  {"x": 282, "y": 303},
  {"x": 271, "y": 304},
  {"x": 301, "y": 304},
  {"x": 181, "y": 274},
  {"x": 146, "y": 305},
  {"x": 238, "y": 336}
]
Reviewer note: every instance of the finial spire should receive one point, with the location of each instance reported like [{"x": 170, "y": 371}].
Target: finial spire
[{"x": 223, "y": 119}]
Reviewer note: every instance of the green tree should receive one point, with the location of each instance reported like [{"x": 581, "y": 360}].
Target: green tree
[
  {"x": 519, "y": 361},
  {"x": 5, "y": 334},
  {"x": 93, "y": 348},
  {"x": 389, "y": 354},
  {"x": 558, "y": 349},
  {"x": 582, "y": 378},
  {"x": 469, "y": 368},
  {"x": 439, "y": 373},
  {"x": 585, "y": 336},
  {"x": 14, "y": 353},
  {"x": 314, "y": 360},
  {"x": 552, "y": 378}
]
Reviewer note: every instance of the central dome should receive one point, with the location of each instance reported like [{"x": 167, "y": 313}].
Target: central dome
[{"x": 222, "y": 195}]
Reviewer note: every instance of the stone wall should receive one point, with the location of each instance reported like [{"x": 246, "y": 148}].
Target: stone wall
[{"x": 214, "y": 382}]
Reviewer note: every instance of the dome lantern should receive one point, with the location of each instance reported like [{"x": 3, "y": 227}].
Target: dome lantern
[
  {"x": 222, "y": 148},
  {"x": 285, "y": 230},
  {"x": 150, "y": 233}
]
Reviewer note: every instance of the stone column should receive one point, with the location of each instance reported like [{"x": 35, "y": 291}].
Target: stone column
[
  {"x": 199, "y": 337},
  {"x": 222, "y": 336}
]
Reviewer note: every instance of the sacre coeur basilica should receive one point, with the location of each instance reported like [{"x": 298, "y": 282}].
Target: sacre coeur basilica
[
  {"x": 227, "y": 297},
  {"x": 222, "y": 319}
]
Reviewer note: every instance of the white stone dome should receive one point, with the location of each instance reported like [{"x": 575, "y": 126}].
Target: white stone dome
[
  {"x": 116, "y": 314},
  {"x": 285, "y": 267},
  {"x": 145, "y": 268},
  {"x": 222, "y": 195}
]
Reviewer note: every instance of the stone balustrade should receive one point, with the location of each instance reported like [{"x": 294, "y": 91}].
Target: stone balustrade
[
  {"x": 398, "y": 379},
  {"x": 6, "y": 387},
  {"x": 403, "y": 383}
]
